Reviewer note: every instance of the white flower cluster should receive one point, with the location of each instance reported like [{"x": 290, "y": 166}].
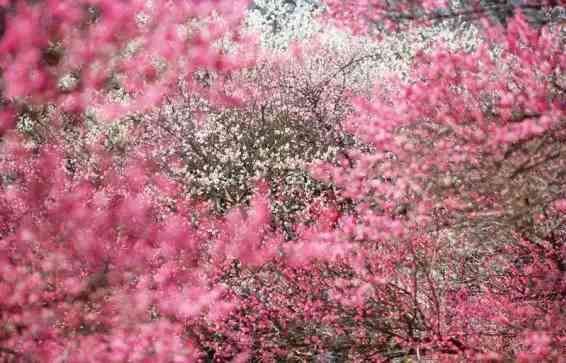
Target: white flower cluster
[
  {"x": 235, "y": 148},
  {"x": 280, "y": 22}
]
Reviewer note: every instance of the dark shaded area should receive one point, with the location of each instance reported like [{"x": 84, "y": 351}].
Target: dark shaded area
[{"x": 2, "y": 21}]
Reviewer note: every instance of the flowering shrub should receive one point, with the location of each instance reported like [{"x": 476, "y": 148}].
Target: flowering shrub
[
  {"x": 455, "y": 248},
  {"x": 95, "y": 265},
  {"x": 466, "y": 162},
  {"x": 220, "y": 153},
  {"x": 451, "y": 247}
]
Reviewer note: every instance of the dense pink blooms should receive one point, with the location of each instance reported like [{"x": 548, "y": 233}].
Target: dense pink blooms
[{"x": 441, "y": 236}]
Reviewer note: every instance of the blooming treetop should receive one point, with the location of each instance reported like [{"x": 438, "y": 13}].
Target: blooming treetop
[{"x": 451, "y": 248}]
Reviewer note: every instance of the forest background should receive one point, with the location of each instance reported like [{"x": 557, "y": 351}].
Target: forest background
[{"x": 282, "y": 181}]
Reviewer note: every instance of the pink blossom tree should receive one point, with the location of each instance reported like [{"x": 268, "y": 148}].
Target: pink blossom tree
[
  {"x": 451, "y": 248},
  {"x": 458, "y": 231},
  {"x": 455, "y": 248},
  {"x": 95, "y": 264}
]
